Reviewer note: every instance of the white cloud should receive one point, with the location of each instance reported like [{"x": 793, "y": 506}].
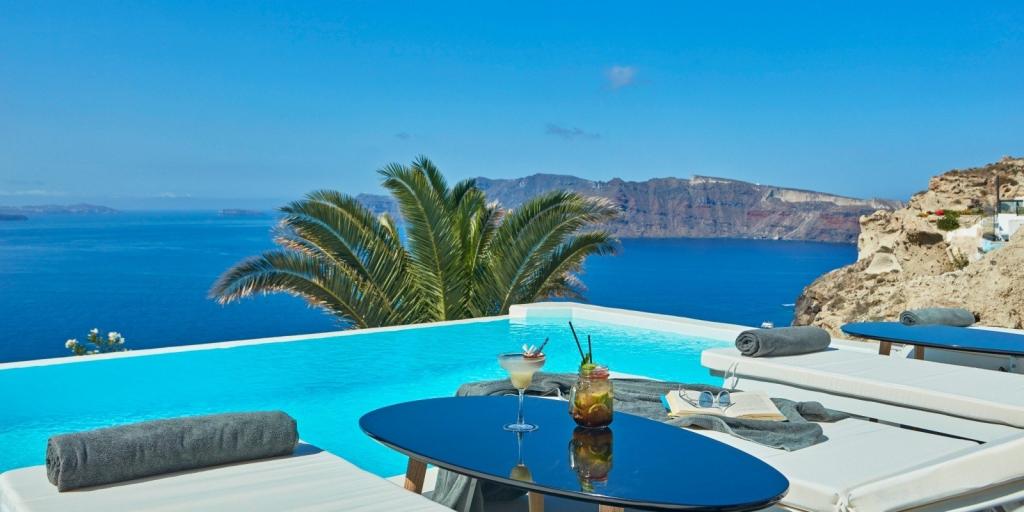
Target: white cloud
[
  {"x": 31, "y": 192},
  {"x": 620, "y": 76},
  {"x": 569, "y": 133}
]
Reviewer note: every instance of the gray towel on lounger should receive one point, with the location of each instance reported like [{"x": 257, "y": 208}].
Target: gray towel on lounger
[
  {"x": 128, "y": 452},
  {"x": 784, "y": 341},
  {"x": 957, "y": 317},
  {"x": 641, "y": 397}
]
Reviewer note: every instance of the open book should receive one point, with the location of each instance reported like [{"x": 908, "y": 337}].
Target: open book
[{"x": 750, "y": 405}]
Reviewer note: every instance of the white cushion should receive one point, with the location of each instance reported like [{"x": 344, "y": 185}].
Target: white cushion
[
  {"x": 857, "y": 452},
  {"x": 981, "y": 431},
  {"x": 983, "y": 395},
  {"x": 959, "y": 473},
  {"x": 311, "y": 480}
]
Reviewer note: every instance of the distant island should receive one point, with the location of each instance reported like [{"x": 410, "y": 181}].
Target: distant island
[
  {"x": 699, "y": 207},
  {"x": 55, "y": 209},
  {"x": 238, "y": 212}
]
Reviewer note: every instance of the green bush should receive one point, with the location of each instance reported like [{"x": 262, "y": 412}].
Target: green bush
[
  {"x": 957, "y": 259},
  {"x": 96, "y": 344},
  {"x": 949, "y": 221}
]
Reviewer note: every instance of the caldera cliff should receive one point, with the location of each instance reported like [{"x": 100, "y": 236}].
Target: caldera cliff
[
  {"x": 699, "y": 207},
  {"x": 906, "y": 261}
]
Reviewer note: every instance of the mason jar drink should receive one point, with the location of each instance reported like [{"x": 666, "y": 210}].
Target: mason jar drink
[
  {"x": 590, "y": 456},
  {"x": 590, "y": 401}
]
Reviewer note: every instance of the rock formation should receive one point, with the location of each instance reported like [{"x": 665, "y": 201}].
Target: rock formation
[
  {"x": 701, "y": 207},
  {"x": 905, "y": 261}
]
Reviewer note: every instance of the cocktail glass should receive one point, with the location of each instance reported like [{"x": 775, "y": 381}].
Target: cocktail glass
[
  {"x": 520, "y": 472},
  {"x": 520, "y": 371}
]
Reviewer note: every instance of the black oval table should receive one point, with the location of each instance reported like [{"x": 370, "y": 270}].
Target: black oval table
[{"x": 636, "y": 462}]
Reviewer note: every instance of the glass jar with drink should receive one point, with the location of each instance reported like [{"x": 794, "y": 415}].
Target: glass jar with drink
[{"x": 591, "y": 398}]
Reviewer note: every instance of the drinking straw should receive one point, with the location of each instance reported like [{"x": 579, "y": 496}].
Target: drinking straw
[
  {"x": 577, "y": 338},
  {"x": 541, "y": 349},
  {"x": 590, "y": 350}
]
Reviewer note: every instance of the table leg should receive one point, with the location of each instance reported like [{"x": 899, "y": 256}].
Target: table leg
[
  {"x": 884, "y": 348},
  {"x": 471, "y": 491},
  {"x": 918, "y": 352},
  {"x": 608, "y": 508},
  {"x": 536, "y": 501},
  {"x": 415, "y": 472}
]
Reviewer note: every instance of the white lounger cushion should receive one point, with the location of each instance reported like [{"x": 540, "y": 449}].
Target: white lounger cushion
[
  {"x": 959, "y": 473},
  {"x": 983, "y": 395},
  {"x": 857, "y": 453},
  {"x": 311, "y": 480}
]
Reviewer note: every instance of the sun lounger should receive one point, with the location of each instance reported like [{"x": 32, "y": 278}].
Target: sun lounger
[
  {"x": 985, "y": 341},
  {"x": 981, "y": 395},
  {"x": 869, "y": 466},
  {"x": 309, "y": 480},
  {"x": 962, "y": 450}
]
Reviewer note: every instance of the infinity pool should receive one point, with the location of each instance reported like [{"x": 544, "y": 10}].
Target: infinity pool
[{"x": 325, "y": 383}]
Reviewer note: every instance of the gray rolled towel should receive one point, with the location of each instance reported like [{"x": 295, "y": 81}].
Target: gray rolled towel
[
  {"x": 127, "y": 452},
  {"x": 957, "y": 317},
  {"x": 784, "y": 341}
]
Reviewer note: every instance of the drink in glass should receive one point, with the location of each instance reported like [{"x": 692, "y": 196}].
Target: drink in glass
[
  {"x": 591, "y": 400},
  {"x": 520, "y": 368}
]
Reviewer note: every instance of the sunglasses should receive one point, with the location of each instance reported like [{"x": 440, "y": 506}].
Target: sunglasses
[{"x": 707, "y": 399}]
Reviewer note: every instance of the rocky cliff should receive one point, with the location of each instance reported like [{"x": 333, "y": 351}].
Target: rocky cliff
[
  {"x": 905, "y": 261},
  {"x": 702, "y": 207}
]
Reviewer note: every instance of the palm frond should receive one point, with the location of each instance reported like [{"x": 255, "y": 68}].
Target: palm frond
[
  {"x": 460, "y": 256},
  {"x": 531, "y": 232},
  {"x": 558, "y": 275},
  {"x": 300, "y": 275},
  {"x": 339, "y": 228},
  {"x": 432, "y": 234}
]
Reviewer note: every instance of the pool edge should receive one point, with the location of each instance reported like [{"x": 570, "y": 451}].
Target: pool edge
[
  {"x": 538, "y": 310},
  {"x": 214, "y": 345}
]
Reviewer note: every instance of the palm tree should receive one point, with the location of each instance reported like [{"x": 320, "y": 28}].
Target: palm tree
[{"x": 461, "y": 257}]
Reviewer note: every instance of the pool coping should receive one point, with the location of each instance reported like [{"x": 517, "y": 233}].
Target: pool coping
[
  {"x": 51, "y": 361},
  {"x": 573, "y": 310}
]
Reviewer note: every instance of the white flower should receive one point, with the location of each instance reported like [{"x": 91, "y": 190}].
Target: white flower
[
  {"x": 113, "y": 336},
  {"x": 94, "y": 331},
  {"x": 70, "y": 343}
]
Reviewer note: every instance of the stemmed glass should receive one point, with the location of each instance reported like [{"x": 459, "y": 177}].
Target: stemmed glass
[
  {"x": 520, "y": 472},
  {"x": 520, "y": 370}
]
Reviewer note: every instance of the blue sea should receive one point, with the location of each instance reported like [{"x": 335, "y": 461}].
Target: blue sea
[{"x": 146, "y": 275}]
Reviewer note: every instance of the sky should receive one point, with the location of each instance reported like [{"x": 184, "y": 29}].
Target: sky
[{"x": 250, "y": 104}]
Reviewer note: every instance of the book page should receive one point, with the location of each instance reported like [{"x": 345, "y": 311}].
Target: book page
[
  {"x": 754, "y": 405},
  {"x": 748, "y": 405}
]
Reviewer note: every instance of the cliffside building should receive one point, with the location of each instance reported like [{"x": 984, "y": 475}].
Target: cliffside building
[{"x": 1009, "y": 218}]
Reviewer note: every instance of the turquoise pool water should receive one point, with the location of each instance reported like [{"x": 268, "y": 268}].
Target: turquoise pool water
[{"x": 326, "y": 384}]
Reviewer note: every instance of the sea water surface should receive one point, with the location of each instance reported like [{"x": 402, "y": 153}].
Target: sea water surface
[{"x": 146, "y": 275}]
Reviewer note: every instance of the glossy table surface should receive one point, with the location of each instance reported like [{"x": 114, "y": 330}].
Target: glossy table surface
[
  {"x": 941, "y": 336},
  {"x": 635, "y": 462}
]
